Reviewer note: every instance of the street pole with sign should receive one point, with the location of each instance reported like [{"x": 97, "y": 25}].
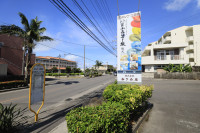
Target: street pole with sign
[
  {"x": 37, "y": 87},
  {"x": 129, "y": 66}
]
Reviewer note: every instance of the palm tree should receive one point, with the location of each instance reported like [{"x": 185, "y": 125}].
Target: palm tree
[
  {"x": 31, "y": 33},
  {"x": 98, "y": 63}
]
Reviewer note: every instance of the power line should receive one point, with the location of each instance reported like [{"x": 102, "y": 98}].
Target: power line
[
  {"x": 88, "y": 18},
  {"x": 73, "y": 43},
  {"x": 101, "y": 18},
  {"x": 104, "y": 15},
  {"x": 65, "y": 52},
  {"x": 70, "y": 14}
]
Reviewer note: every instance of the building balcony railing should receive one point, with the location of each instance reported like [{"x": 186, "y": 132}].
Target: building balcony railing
[
  {"x": 168, "y": 57},
  {"x": 190, "y": 38},
  {"x": 167, "y": 39},
  {"x": 160, "y": 57},
  {"x": 190, "y": 47},
  {"x": 191, "y": 55}
]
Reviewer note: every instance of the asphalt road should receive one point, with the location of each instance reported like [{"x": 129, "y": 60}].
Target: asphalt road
[
  {"x": 176, "y": 107},
  {"x": 56, "y": 91}
]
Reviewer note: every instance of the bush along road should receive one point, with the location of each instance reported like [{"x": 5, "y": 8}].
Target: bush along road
[{"x": 114, "y": 114}]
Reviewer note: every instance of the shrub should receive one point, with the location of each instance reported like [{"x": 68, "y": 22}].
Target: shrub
[
  {"x": 81, "y": 73},
  {"x": 106, "y": 118},
  {"x": 12, "y": 84},
  {"x": 9, "y": 118},
  {"x": 49, "y": 74},
  {"x": 131, "y": 96},
  {"x": 113, "y": 115}
]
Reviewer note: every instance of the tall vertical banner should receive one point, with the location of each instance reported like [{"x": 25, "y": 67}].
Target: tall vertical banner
[{"x": 129, "y": 67}]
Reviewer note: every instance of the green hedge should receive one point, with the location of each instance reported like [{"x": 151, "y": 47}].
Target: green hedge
[
  {"x": 112, "y": 116},
  {"x": 106, "y": 118},
  {"x": 131, "y": 96},
  {"x": 63, "y": 74},
  {"x": 12, "y": 84}
]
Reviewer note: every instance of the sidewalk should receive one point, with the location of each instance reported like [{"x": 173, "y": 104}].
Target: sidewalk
[
  {"x": 53, "y": 119},
  {"x": 176, "y": 107}
]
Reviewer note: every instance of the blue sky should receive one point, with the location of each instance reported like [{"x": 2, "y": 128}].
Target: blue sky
[{"x": 158, "y": 17}]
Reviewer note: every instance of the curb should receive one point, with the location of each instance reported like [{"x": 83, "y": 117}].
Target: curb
[
  {"x": 141, "y": 120},
  {"x": 13, "y": 89},
  {"x": 77, "y": 101}
]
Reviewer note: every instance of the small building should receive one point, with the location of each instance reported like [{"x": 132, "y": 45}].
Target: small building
[
  {"x": 50, "y": 62},
  {"x": 178, "y": 46},
  {"x": 105, "y": 68},
  {"x": 11, "y": 53}
]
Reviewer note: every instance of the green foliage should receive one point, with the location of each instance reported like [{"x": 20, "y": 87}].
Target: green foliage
[
  {"x": 68, "y": 69},
  {"x": 187, "y": 68},
  {"x": 54, "y": 70},
  {"x": 115, "y": 82},
  {"x": 129, "y": 95},
  {"x": 98, "y": 64},
  {"x": 9, "y": 118},
  {"x": 170, "y": 68},
  {"x": 12, "y": 84},
  {"x": 178, "y": 68},
  {"x": 63, "y": 74},
  {"x": 113, "y": 115},
  {"x": 106, "y": 118},
  {"x": 31, "y": 33}
]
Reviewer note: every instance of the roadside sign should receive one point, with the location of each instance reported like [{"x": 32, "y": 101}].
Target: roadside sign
[
  {"x": 129, "y": 67},
  {"x": 37, "y": 87}
]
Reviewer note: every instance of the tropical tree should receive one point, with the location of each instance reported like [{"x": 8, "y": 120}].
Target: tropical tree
[
  {"x": 180, "y": 68},
  {"x": 68, "y": 69},
  {"x": 187, "y": 68},
  {"x": 98, "y": 64},
  {"x": 31, "y": 33},
  {"x": 170, "y": 68},
  {"x": 54, "y": 70}
]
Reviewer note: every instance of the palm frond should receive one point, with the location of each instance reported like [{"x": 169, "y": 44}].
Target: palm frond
[
  {"x": 12, "y": 30},
  {"x": 24, "y": 21},
  {"x": 33, "y": 25},
  {"x": 41, "y": 30},
  {"x": 45, "y": 38}
]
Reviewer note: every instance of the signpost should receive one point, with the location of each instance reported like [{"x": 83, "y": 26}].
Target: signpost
[
  {"x": 37, "y": 87},
  {"x": 129, "y": 67}
]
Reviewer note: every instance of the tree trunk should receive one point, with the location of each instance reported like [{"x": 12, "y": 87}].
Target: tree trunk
[
  {"x": 27, "y": 68},
  {"x": 23, "y": 59}
]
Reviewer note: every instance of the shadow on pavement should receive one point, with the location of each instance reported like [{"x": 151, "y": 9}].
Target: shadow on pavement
[
  {"x": 50, "y": 79},
  {"x": 51, "y": 119},
  {"x": 67, "y": 83}
]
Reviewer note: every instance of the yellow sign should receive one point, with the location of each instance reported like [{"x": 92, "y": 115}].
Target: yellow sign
[{"x": 37, "y": 87}]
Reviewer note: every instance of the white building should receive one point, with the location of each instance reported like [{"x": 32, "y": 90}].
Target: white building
[
  {"x": 50, "y": 62},
  {"x": 178, "y": 46}
]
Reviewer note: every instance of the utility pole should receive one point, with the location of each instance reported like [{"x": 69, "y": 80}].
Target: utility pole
[
  {"x": 59, "y": 65},
  {"x": 84, "y": 60}
]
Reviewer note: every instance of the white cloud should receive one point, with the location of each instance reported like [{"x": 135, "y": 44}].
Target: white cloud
[
  {"x": 198, "y": 3},
  {"x": 176, "y": 5},
  {"x": 72, "y": 57},
  {"x": 47, "y": 45}
]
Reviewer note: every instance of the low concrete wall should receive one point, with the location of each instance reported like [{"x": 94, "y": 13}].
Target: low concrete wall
[
  {"x": 3, "y": 69},
  {"x": 178, "y": 75},
  {"x": 147, "y": 75}
]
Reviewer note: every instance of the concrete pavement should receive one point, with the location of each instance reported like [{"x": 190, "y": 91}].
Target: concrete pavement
[{"x": 176, "y": 107}]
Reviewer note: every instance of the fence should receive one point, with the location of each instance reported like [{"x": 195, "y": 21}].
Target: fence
[{"x": 178, "y": 75}]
